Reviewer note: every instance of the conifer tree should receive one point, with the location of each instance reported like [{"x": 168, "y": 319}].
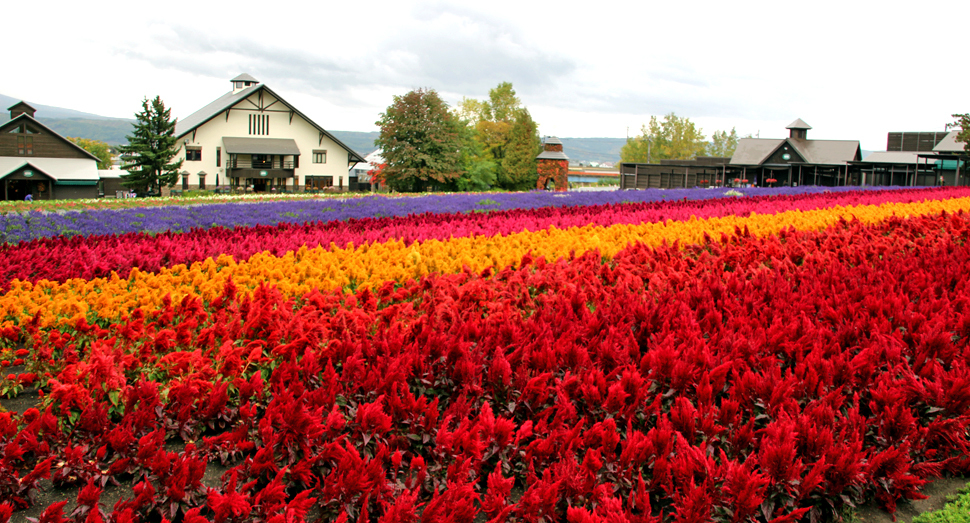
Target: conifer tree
[{"x": 150, "y": 150}]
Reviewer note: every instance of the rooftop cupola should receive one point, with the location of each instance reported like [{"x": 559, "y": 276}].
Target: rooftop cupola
[
  {"x": 799, "y": 129},
  {"x": 20, "y": 108},
  {"x": 243, "y": 81}
]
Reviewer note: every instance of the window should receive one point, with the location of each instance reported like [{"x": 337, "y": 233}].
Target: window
[
  {"x": 259, "y": 124},
  {"x": 202, "y": 180},
  {"x": 25, "y": 145},
  {"x": 317, "y": 183},
  {"x": 319, "y": 156},
  {"x": 193, "y": 155},
  {"x": 218, "y": 156}
]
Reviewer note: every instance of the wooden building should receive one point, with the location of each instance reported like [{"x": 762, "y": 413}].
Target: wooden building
[
  {"x": 704, "y": 171},
  {"x": 37, "y": 161},
  {"x": 796, "y": 160}
]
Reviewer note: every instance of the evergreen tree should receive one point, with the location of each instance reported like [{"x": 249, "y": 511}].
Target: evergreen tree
[
  {"x": 150, "y": 150},
  {"x": 420, "y": 141}
]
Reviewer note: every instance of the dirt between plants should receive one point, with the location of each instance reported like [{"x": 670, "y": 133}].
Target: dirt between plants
[{"x": 937, "y": 491}]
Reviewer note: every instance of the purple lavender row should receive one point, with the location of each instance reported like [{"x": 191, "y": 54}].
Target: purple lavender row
[{"x": 34, "y": 225}]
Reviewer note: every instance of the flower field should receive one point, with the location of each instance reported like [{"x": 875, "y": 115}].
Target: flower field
[{"x": 777, "y": 357}]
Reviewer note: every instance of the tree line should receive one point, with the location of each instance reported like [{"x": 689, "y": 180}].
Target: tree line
[
  {"x": 676, "y": 138},
  {"x": 478, "y": 145}
]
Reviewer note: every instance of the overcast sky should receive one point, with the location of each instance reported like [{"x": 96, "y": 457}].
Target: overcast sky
[{"x": 852, "y": 70}]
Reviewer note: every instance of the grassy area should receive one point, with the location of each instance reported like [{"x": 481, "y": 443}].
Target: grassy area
[{"x": 957, "y": 510}]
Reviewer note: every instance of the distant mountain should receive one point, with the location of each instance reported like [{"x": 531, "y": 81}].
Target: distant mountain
[
  {"x": 362, "y": 143},
  {"x": 577, "y": 149},
  {"x": 593, "y": 149},
  {"x": 68, "y": 122}
]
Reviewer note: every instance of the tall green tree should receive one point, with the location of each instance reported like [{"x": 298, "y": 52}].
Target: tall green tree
[
  {"x": 508, "y": 133},
  {"x": 723, "y": 144},
  {"x": 674, "y": 138},
  {"x": 518, "y": 168},
  {"x": 97, "y": 148},
  {"x": 421, "y": 141},
  {"x": 478, "y": 167},
  {"x": 963, "y": 122},
  {"x": 151, "y": 148}
]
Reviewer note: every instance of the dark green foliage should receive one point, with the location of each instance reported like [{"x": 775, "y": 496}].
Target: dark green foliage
[
  {"x": 421, "y": 142},
  {"x": 150, "y": 150}
]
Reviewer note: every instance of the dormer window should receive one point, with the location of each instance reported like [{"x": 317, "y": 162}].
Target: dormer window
[{"x": 237, "y": 85}]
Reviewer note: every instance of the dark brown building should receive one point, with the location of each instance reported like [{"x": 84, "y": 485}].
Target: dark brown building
[{"x": 36, "y": 161}]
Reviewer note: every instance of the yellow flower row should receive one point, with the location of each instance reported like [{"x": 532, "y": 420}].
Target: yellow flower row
[{"x": 371, "y": 265}]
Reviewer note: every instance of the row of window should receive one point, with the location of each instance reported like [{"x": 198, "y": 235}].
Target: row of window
[
  {"x": 194, "y": 154},
  {"x": 259, "y": 124}
]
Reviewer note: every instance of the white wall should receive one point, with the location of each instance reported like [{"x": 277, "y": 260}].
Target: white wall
[{"x": 209, "y": 137}]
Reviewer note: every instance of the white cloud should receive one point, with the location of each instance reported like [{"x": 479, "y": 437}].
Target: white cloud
[{"x": 582, "y": 69}]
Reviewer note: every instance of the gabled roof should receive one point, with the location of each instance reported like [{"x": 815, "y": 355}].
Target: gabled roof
[
  {"x": 754, "y": 151},
  {"x": 228, "y": 100},
  {"x": 22, "y": 104},
  {"x": 827, "y": 152},
  {"x": 244, "y": 78},
  {"x": 59, "y": 169},
  {"x": 24, "y": 116},
  {"x": 949, "y": 144},
  {"x": 798, "y": 124}
]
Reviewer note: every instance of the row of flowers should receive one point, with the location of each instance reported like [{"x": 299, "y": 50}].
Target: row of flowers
[
  {"x": 749, "y": 377},
  {"x": 17, "y": 227},
  {"x": 296, "y": 273},
  {"x": 59, "y": 259}
]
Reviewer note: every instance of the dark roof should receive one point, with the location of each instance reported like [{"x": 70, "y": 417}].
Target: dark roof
[
  {"x": 20, "y": 116},
  {"x": 284, "y": 146},
  {"x": 553, "y": 140},
  {"x": 244, "y": 78},
  {"x": 754, "y": 151},
  {"x": 226, "y": 101},
  {"x": 798, "y": 124},
  {"x": 21, "y": 104},
  {"x": 552, "y": 155}
]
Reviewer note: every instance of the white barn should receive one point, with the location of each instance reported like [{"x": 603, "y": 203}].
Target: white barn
[{"x": 250, "y": 138}]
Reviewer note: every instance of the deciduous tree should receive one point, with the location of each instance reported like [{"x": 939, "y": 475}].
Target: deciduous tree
[
  {"x": 675, "y": 138},
  {"x": 420, "y": 139},
  {"x": 963, "y": 122},
  {"x": 518, "y": 168},
  {"x": 151, "y": 148},
  {"x": 97, "y": 148},
  {"x": 723, "y": 144},
  {"x": 508, "y": 133}
]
